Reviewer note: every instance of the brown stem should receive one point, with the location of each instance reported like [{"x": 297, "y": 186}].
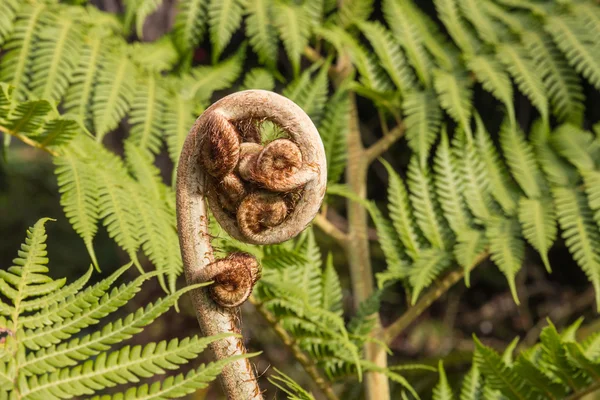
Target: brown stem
[
  {"x": 308, "y": 365},
  {"x": 28, "y": 141},
  {"x": 218, "y": 135},
  {"x": 441, "y": 287},
  {"x": 326, "y": 226},
  {"x": 383, "y": 144},
  {"x": 361, "y": 273}
]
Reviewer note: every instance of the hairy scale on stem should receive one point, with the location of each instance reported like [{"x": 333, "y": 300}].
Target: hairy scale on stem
[{"x": 259, "y": 193}]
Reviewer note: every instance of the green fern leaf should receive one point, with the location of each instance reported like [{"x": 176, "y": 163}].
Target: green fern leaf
[
  {"x": 422, "y": 118},
  {"x": 498, "y": 375},
  {"x": 426, "y": 206},
  {"x": 179, "y": 385},
  {"x": 315, "y": 9},
  {"x": 589, "y": 13},
  {"x": 476, "y": 180},
  {"x": 28, "y": 118},
  {"x": 442, "y": 391},
  {"x": 561, "y": 82},
  {"x": 477, "y": 16},
  {"x": 512, "y": 20},
  {"x": 79, "y": 94},
  {"x": 472, "y": 386},
  {"x": 125, "y": 365},
  {"x": 523, "y": 71},
  {"x": 224, "y": 18},
  {"x": 507, "y": 249},
  {"x": 258, "y": 78},
  {"x": 355, "y": 11},
  {"x": 521, "y": 161},
  {"x": 591, "y": 346},
  {"x": 260, "y": 31},
  {"x": 178, "y": 117},
  {"x": 539, "y": 382},
  {"x": 140, "y": 164},
  {"x": 331, "y": 288},
  {"x": 310, "y": 93},
  {"x": 591, "y": 180},
  {"x": 35, "y": 339},
  {"x": 154, "y": 57},
  {"x": 390, "y": 55},
  {"x": 113, "y": 93},
  {"x": 56, "y": 53},
  {"x": 401, "y": 213},
  {"x": 579, "y": 232},
  {"x": 190, "y": 24},
  {"x": 293, "y": 25},
  {"x": 146, "y": 114},
  {"x": 554, "y": 359},
  {"x": 143, "y": 9},
  {"x": 579, "y": 147},
  {"x": 538, "y": 221},
  {"x": 16, "y": 64},
  {"x": 492, "y": 77},
  {"x": 307, "y": 276},
  {"x": 470, "y": 245},
  {"x": 287, "y": 385},
  {"x": 455, "y": 94},
  {"x": 502, "y": 187},
  {"x": 8, "y": 14},
  {"x": 79, "y": 193},
  {"x": 556, "y": 169},
  {"x": 430, "y": 264},
  {"x": 407, "y": 33},
  {"x": 578, "y": 45},
  {"x": 458, "y": 30},
  {"x": 333, "y": 130}
]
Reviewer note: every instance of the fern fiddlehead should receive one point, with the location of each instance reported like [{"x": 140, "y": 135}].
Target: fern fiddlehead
[{"x": 259, "y": 194}]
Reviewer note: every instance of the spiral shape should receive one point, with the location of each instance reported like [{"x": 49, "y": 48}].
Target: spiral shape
[{"x": 259, "y": 193}]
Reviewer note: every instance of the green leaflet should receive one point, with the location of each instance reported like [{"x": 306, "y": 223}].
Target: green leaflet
[
  {"x": 507, "y": 249},
  {"x": 224, "y": 18},
  {"x": 442, "y": 391}
]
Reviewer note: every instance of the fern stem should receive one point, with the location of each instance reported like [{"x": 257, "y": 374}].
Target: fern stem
[
  {"x": 308, "y": 365},
  {"x": 392, "y": 331},
  {"x": 330, "y": 229},
  {"x": 357, "y": 251},
  {"x": 383, "y": 144},
  {"x": 589, "y": 390},
  {"x": 28, "y": 141}
]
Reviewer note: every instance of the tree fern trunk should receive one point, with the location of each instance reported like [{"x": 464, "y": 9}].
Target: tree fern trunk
[{"x": 361, "y": 274}]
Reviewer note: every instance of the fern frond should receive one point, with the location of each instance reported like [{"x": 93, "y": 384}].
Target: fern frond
[
  {"x": 154, "y": 57},
  {"x": 507, "y": 249},
  {"x": 190, "y": 24},
  {"x": 521, "y": 161},
  {"x": 561, "y": 82},
  {"x": 355, "y": 11},
  {"x": 472, "y": 386},
  {"x": 538, "y": 222},
  {"x": 35, "y": 339},
  {"x": 430, "y": 264},
  {"x": 310, "y": 92},
  {"x": 476, "y": 180},
  {"x": 454, "y": 91},
  {"x": 498, "y": 375},
  {"x": 578, "y": 46},
  {"x": 293, "y": 25},
  {"x": 66, "y": 354},
  {"x": 56, "y": 55},
  {"x": 539, "y": 382},
  {"x": 143, "y": 9},
  {"x": 458, "y": 30},
  {"x": 258, "y": 78},
  {"x": 407, "y": 32},
  {"x": 28, "y": 118},
  {"x": 401, "y": 213},
  {"x": 178, "y": 117},
  {"x": 80, "y": 91},
  {"x": 8, "y": 14},
  {"x": 470, "y": 244},
  {"x": 331, "y": 292},
  {"x": 501, "y": 187},
  {"x": 579, "y": 232},
  {"x": 512, "y": 20},
  {"x": 591, "y": 180},
  {"x": 390, "y": 55},
  {"x": 422, "y": 118},
  {"x": 333, "y": 131},
  {"x": 442, "y": 391},
  {"x": 523, "y": 71},
  {"x": 260, "y": 31},
  {"x": 477, "y": 16},
  {"x": 307, "y": 276},
  {"x": 556, "y": 169},
  {"x": 146, "y": 113},
  {"x": 291, "y": 388},
  {"x": 126, "y": 365},
  {"x": 16, "y": 64},
  {"x": 78, "y": 190},
  {"x": 494, "y": 80},
  {"x": 141, "y": 165},
  {"x": 449, "y": 186},
  {"x": 224, "y": 18},
  {"x": 426, "y": 206},
  {"x": 579, "y": 147},
  {"x": 113, "y": 92}
]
